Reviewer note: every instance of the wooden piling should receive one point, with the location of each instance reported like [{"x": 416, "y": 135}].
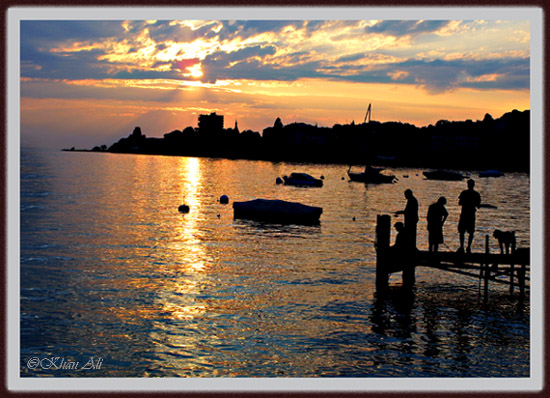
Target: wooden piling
[
  {"x": 511, "y": 279},
  {"x": 521, "y": 282},
  {"x": 409, "y": 267},
  {"x": 382, "y": 244},
  {"x": 487, "y": 272}
]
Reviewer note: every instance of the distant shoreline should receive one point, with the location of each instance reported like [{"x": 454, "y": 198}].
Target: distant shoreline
[{"x": 502, "y": 144}]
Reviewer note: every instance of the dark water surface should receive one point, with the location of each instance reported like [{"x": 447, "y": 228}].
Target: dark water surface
[{"x": 111, "y": 270}]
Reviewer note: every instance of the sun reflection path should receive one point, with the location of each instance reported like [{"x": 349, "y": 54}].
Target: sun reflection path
[{"x": 186, "y": 249}]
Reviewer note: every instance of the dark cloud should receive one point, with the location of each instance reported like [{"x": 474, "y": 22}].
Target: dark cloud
[
  {"x": 164, "y": 31},
  {"x": 438, "y": 76},
  {"x": 434, "y": 76},
  {"x": 255, "y": 70},
  {"x": 403, "y": 28},
  {"x": 52, "y": 32},
  {"x": 216, "y": 66},
  {"x": 38, "y": 38},
  {"x": 250, "y": 28},
  {"x": 82, "y": 65}
]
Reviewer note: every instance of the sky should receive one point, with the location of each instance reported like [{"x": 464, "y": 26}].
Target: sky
[{"x": 90, "y": 82}]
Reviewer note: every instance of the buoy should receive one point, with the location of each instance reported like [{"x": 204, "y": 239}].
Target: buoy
[
  {"x": 279, "y": 180},
  {"x": 343, "y": 178},
  {"x": 218, "y": 216},
  {"x": 224, "y": 199},
  {"x": 183, "y": 209},
  {"x": 353, "y": 218},
  {"x": 322, "y": 177}
]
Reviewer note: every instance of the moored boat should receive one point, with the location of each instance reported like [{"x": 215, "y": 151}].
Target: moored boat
[
  {"x": 372, "y": 175},
  {"x": 446, "y": 175},
  {"x": 277, "y": 211},
  {"x": 491, "y": 173},
  {"x": 302, "y": 180}
]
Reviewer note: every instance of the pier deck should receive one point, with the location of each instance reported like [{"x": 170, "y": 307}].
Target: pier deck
[{"x": 510, "y": 269}]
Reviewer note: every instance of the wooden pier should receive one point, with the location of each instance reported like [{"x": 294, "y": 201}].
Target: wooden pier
[{"x": 510, "y": 269}]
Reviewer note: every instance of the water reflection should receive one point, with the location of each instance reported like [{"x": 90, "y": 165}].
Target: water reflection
[
  {"x": 250, "y": 227},
  {"x": 187, "y": 256},
  {"x": 446, "y": 326}
]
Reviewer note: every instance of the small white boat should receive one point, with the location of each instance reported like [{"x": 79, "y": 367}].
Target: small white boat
[{"x": 277, "y": 211}]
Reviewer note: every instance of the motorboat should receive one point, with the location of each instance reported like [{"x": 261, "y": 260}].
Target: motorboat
[
  {"x": 302, "y": 180},
  {"x": 277, "y": 211},
  {"x": 446, "y": 175},
  {"x": 372, "y": 175}
]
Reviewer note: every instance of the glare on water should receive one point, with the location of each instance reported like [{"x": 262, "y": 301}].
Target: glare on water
[{"x": 110, "y": 268}]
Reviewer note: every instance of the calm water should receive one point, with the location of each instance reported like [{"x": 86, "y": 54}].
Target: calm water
[{"x": 110, "y": 269}]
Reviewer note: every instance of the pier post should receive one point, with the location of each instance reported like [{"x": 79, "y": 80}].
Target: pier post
[
  {"x": 487, "y": 271},
  {"x": 382, "y": 244},
  {"x": 511, "y": 279},
  {"x": 521, "y": 282},
  {"x": 409, "y": 268}
]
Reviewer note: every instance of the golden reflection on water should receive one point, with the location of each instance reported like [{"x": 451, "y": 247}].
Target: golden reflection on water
[{"x": 186, "y": 250}]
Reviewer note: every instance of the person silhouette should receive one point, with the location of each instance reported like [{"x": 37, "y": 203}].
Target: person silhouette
[
  {"x": 410, "y": 216},
  {"x": 470, "y": 200},
  {"x": 437, "y": 214},
  {"x": 400, "y": 242}
]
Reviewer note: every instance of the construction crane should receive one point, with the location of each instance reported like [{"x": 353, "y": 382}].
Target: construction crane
[{"x": 368, "y": 114}]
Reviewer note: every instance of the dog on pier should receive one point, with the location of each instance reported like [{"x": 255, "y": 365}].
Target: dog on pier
[{"x": 506, "y": 240}]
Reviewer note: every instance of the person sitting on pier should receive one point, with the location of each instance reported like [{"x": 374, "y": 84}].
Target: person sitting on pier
[
  {"x": 437, "y": 214},
  {"x": 400, "y": 240},
  {"x": 470, "y": 200}
]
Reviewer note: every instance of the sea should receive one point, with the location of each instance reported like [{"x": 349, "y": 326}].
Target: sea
[{"x": 113, "y": 274}]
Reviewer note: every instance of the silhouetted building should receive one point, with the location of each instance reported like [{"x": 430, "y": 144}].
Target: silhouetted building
[{"x": 211, "y": 123}]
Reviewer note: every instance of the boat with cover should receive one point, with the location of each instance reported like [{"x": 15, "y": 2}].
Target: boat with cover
[
  {"x": 302, "y": 180},
  {"x": 446, "y": 175},
  {"x": 277, "y": 211},
  {"x": 372, "y": 175},
  {"x": 491, "y": 173}
]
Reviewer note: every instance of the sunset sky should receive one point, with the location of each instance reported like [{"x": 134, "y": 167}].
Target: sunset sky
[{"x": 87, "y": 83}]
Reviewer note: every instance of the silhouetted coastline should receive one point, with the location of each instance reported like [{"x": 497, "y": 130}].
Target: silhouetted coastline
[{"x": 502, "y": 143}]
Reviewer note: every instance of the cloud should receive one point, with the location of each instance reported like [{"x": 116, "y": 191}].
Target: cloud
[
  {"x": 406, "y": 28},
  {"x": 356, "y": 51},
  {"x": 439, "y": 75}
]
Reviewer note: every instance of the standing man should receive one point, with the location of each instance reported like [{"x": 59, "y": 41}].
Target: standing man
[
  {"x": 437, "y": 214},
  {"x": 470, "y": 200},
  {"x": 411, "y": 217}
]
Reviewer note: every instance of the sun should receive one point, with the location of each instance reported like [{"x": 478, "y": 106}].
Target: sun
[{"x": 195, "y": 71}]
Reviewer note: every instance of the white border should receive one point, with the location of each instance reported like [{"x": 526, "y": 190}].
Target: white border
[{"x": 16, "y": 383}]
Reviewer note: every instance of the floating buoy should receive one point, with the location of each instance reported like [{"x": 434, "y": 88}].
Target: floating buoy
[
  {"x": 279, "y": 180},
  {"x": 322, "y": 177},
  {"x": 353, "y": 218},
  {"x": 218, "y": 216},
  {"x": 224, "y": 199},
  {"x": 343, "y": 178},
  {"x": 183, "y": 209}
]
